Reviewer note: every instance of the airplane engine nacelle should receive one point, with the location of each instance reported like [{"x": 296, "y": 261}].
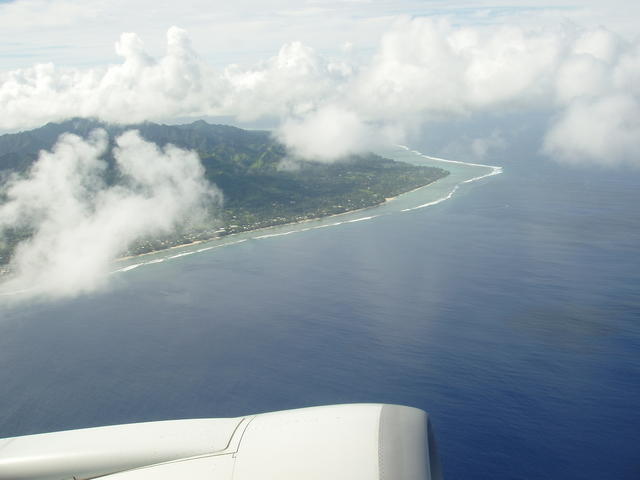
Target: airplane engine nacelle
[{"x": 337, "y": 442}]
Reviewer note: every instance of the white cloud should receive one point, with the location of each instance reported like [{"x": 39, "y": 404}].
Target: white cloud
[
  {"x": 482, "y": 146},
  {"x": 22, "y": 14},
  {"x": 431, "y": 71},
  {"x": 245, "y": 31},
  {"x": 80, "y": 224},
  {"x": 295, "y": 81},
  {"x": 138, "y": 89},
  {"x": 434, "y": 69},
  {"x": 603, "y": 130},
  {"x": 474, "y": 148},
  {"x": 339, "y": 80},
  {"x": 599, "y": 102},
  {"x": 326, "y": 134},
  {"x": 423, "y": 71}
]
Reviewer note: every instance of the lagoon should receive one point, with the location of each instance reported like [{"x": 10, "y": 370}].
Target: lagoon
[{"x": 509, "y": 312}]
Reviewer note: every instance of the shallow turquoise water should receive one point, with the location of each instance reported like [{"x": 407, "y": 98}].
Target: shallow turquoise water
[
  {"x": 460, "y": 173},
  {"x": 510, "y": 313}
]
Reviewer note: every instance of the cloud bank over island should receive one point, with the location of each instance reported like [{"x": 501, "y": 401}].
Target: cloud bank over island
[
  {"x": 79, "y": 224},
  {"x": 332, "y": 77},
  {"x": 424, "y": 71}
]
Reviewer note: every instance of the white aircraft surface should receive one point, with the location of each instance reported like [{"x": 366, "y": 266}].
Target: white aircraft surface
[{"x": 336, "y": 442}]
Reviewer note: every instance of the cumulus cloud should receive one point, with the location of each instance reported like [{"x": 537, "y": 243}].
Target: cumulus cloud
[
  {"x": 482, "y": 146},
  {"x": 328, "y": 133},
  {"x": 79, "y": 224},
  {"x": 294, "y": 82},
  {"x": 140, "y": 88},
  {"x": 603, "y": 130},
  {"x": 598, "y": 119},
  {"x": 585, "y": 81},
  {"x": 475, "y": 148},
  {"x": 424, "y": 71}
]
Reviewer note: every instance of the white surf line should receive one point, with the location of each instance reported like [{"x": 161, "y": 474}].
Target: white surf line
[
  {"x": 271, "y": 235},
  {"x": 494, "y": 167},
  {"x": 360, "y": 219},
  {"x": 434, "y": 202},
  {"x": 178, "y": 255},
  {"x": 242, "y": 240},
  {"x": 495, "y": 170},
  {"x": 133, "y": 266},
  {"x": 327, "y": 225},
  {"x": 171, "y": 257},
  {"x": 130, "y": 267},
  {"x": 334, "y": 224},
  {"x": 345, "y": 221}
]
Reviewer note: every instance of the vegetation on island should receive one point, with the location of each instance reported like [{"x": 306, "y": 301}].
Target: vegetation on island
[{"x": 263, "y": 185}]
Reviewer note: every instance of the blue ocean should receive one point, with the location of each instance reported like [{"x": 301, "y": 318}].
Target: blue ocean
[{"x": 509, "y": 311}]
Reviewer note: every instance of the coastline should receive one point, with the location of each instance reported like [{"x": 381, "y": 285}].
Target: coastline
[
  {"x": 231, "y": 236},
  {"x": 322, "y": 221},
  {"x": 449, "y": 186},
  {"x": 270, "y": 227}
]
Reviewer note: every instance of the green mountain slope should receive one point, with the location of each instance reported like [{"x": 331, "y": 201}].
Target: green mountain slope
[{"x": 247, "y": 167}]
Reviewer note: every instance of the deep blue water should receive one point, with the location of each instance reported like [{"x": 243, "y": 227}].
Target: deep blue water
[{"x": 511, "y": 313}]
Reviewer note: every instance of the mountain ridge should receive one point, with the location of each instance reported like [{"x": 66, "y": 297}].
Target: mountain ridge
[{"x": 247, "y": 165}]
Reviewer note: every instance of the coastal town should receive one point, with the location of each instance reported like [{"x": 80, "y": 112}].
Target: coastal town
[{"x": 246, "y": 166}]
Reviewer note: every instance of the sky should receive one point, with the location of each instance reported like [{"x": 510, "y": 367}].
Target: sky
[
  {"x": 81, "y": 33},
  {"x": 329, "y": 77},
  {"x": 335, "y": 73}
]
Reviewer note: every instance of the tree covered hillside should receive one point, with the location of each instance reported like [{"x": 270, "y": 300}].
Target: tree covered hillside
[{"x": 262, "y": 184}]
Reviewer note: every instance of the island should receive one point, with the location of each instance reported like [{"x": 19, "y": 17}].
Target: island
[{"x": 260, "y": 189}]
